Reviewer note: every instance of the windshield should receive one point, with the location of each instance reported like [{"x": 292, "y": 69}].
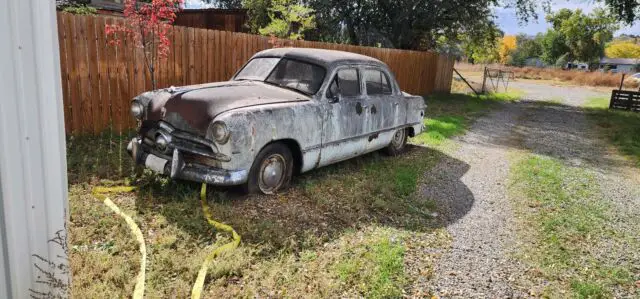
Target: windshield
[
  {"x": 257, "y": 69},
  {"x": 292, "y": 74}
]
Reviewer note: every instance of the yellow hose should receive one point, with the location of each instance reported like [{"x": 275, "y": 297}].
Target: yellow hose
[
  {"x": 101, "y": 194},
  {"x": 196, "y": 292}
]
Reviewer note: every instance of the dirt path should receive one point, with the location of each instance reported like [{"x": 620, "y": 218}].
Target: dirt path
[{"x": 480, "y": 262}]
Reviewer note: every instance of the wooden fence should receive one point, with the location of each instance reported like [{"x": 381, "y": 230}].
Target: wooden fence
[
  {"x": 99, "y": 80},
  {"x": 625, "y": 100}
]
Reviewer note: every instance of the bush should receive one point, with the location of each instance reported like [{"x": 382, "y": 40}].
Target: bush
[{"x": 80, "y": 9}]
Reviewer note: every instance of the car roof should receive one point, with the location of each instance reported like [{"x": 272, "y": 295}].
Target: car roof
[{"x": 327, "y": 58}]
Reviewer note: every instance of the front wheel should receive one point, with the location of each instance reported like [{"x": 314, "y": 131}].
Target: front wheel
[
  {"x": 398, "y": 143},
  {"x": 271, "y": 170}
]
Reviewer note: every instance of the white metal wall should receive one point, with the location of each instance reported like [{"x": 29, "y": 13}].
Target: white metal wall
[{"x": 33, "y": 201}]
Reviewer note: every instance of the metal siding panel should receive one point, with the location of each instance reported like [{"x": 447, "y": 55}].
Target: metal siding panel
[{"x": 32, "y": 155}]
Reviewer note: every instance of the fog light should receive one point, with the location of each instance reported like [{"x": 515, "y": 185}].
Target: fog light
[{"x": 137, "y": 109}]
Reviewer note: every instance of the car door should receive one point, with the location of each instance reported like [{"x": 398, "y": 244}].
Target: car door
[
  {"x": 344, "y": 126},
  {"x": 387, "y": 111}
]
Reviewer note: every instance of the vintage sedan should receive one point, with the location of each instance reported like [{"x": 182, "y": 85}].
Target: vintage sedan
[{"x": 287, "y": 111}]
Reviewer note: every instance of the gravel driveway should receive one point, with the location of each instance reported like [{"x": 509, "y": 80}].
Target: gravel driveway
[{"x": 480, "y": 262}]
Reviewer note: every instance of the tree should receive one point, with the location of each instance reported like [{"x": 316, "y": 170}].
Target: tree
[
  {"x": 624, "y": 10},
  {"x": 553, "y": 46},
  {"x": 623, "y": 50},
  {"x": 405, "y": 24},
  {"x": 146, "y": 28},
  {"x": 507, "y": 47},
  {"x": 526, "y": 47},
  {"x": 584, "y": 35},
  {"x": 258, "y": 11},
  {"x": 288, "y": 20}
]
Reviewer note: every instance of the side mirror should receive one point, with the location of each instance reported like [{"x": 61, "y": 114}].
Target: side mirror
[{"x": 335, "y": 99}]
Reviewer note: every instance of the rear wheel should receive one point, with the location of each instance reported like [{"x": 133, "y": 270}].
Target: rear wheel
[
  {"x": 398, "y": 143},
  {"x": 271, "y": 170}
]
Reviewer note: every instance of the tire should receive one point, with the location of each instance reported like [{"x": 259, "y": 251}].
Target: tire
[
  {"x": 398, "y": 143},
  {"x": 271, "y": 170}
]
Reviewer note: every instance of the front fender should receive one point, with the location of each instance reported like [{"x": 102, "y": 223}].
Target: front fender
[{"x": 252, "y": 128}]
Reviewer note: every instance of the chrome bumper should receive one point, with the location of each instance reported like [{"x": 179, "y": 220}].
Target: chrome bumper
[{"x": 176, "y": 168}]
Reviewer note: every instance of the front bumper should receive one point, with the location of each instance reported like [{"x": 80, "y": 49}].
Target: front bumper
[{"x": 176, "y": 167}]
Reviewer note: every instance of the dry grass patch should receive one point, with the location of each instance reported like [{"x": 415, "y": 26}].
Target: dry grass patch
[{"x": 595, "y": 78}]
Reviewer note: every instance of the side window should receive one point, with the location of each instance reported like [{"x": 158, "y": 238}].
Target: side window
[
  {"x": 345, "y": 83},
  {"x": 376, "y": 82}
]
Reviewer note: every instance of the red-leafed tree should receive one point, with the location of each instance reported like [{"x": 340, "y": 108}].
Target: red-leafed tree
[{"x": 147, "y": 26}]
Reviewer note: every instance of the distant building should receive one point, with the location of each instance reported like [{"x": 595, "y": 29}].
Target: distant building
[
  {"x": 619, "y": 65},
  {"x": 576, "y": 65},
  {"x": 210, "y": 18}
]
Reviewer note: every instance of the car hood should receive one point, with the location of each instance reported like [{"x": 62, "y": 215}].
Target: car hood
[{"x": 192, "y": 108}]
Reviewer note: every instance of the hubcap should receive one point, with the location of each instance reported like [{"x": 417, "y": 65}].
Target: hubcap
[
  {"x": 272, "y": 172},
  {"x": 398, "y": 139}
]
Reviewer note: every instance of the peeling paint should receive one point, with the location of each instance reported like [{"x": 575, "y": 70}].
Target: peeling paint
[{"x": 256, "y": 114}]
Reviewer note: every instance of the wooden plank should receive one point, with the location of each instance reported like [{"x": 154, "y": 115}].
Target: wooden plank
[
  {"x": 211, "y": 66},
  {"x": 94, "y": 80},
  {"x": 200, "y": 59},
  {"x": 83, "y": 71},
  {"x": 171, "y": 62},
  {"x": 124, "y": 79},
  {"x": 62, "y": 36},
  {"x": 111, "y": 65},
  {"x": 224, "y": 61},
  {"x": 74, "y": 78},
  {"x": 191, "y": 42},
  {"x": 177, "y": 57},
  {"x": 103, "y": 73}
]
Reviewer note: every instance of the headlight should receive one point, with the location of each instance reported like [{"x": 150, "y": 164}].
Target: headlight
[
  {"x": 137, "y": 109},
  {"x": 220, "y": 132},
  {"x": 161, "y": 142}
]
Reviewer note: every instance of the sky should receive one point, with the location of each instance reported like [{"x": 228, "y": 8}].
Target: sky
[{"x": 508, "y": 22}]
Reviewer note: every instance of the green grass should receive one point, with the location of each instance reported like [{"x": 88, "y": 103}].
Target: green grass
[
  {"x": 621, "y": 128},
  {"x": 379, "y": 262},
  {"x": 566, "y": 224},
  {"x": 451, "y": 114}
]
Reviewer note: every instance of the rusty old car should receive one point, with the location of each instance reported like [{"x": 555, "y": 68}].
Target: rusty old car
[{"x": 286, "y": 111}]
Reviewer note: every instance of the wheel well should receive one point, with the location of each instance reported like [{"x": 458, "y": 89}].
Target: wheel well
[
  {"x": 296, "y": 152},
  {"x": 411, "y": 132}
]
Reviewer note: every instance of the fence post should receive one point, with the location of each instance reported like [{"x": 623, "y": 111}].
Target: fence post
[
  {"x": 622, "y": 81},
  {"x": 484, "y": 79}
]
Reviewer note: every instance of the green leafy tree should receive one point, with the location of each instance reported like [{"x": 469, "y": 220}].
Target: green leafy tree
[
  {"x": 526, "y": 47},
  {"x": 288, "y": 20},
  {"x": 624, "y": 10},
  {"x": 405, "y": 24},
  {"x": 584, "y": 35},
  {"x": 553, "y": 46}
]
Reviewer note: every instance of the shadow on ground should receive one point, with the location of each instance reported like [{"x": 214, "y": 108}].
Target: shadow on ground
[
  {"x": 320, "y": 206},
  {"x": 556, "y": 130}
]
